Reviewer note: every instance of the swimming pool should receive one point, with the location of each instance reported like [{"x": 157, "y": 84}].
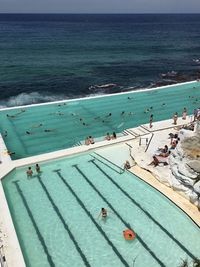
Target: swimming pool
[
  {"x": 56, "y": 217},
  {"x": 46, "y": 128}
]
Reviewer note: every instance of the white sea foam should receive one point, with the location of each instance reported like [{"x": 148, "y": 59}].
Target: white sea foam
[{"x": 36, "y": 97}]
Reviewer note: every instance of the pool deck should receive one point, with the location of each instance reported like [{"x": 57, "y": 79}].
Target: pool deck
[{"x": 10, "y": 243}]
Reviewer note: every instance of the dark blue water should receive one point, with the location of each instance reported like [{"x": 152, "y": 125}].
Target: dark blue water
[{"x": 47, "y": 57}]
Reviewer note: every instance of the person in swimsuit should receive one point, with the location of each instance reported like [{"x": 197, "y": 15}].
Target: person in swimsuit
[
  {"x": 29, "y": 172},
  {"x": 103, "y": 213}
]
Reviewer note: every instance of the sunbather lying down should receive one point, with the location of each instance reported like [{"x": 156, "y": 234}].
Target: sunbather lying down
[{"x": 157, "y": 160}]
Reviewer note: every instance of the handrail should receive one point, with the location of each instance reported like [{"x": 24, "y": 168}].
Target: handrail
[
  {"x": 121, "y": 170},
  {"x": 149, "y": 142}
]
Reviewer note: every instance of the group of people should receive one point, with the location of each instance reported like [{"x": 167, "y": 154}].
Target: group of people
[
  {"x": 162, "y": 153},
  {"x": 184, "y": 116},
  {"x": 29, "y": 172},
  {"x": 109, "y": 137},
  {"x": 196, "y": 114},
  {"x": 89, "y": 140}
]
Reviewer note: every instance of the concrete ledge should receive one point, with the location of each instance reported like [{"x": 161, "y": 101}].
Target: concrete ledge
[{"x": 11, "y": 246}]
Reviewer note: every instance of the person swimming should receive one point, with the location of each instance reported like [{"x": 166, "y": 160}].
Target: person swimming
[
  {"x": 103, "y": 213},
  {"x": 49, "y": 130}
]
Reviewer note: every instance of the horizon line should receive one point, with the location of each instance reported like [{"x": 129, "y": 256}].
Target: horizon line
[{"x": 103, "y": 13}]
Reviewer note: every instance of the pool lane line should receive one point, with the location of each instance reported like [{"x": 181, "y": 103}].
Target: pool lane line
[
  {"x": 146, "y": 212},
  {"x": 92, "y": 219},
  {"x": 122, "y": 170},
  {"x": 119, "y": 216},
  {"x": 63, "y": 222},
  {"x": 19, "y": 138},
  {"x": 40, "y": 237}
]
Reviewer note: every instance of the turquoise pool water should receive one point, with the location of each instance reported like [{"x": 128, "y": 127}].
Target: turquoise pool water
[
  {"x": 72, "y": 122},
  {"x": 56, "y": 217}
]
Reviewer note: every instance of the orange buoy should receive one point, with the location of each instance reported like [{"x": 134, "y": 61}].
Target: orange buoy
[{"x": 129, "y": 234}]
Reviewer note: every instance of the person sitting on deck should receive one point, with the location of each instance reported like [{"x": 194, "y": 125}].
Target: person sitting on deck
[
  {"x": 127, "y": 165},
  {"x": 87, "y": 141},
  {"x": 157, "y": 160},
  {"x": 91, "y": 140},
  {"x": 108, "y": 137}
]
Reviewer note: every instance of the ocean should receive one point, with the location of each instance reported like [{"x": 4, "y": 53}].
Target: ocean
[{"x": 45, "y": 57}]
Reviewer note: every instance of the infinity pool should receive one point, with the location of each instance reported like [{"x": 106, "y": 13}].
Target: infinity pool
[
  {"x": 56, "y": 217},
  {"x": 40, "y": 129}
]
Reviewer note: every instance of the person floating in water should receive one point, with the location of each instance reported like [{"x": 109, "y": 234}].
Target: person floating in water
[
  {"x": 49, "y": 130},
  {"x": 14, "y": 115},
  {"x": 27, "y": 132},
  {"x": 37, "y": 125},
  {"x": 5, "y": 134}
]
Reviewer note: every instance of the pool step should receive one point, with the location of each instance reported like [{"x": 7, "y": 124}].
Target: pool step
[
  {"x": 77, "y": 144},
  {"x": 139, "y": 131}
]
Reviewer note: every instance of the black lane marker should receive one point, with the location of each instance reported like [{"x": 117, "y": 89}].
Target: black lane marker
[
  {"x": 40, "y": 237},
  {"x": 64, "y": 223},
  {"x": 146, "y": 212},
  {"x": 119, "y": 216},
  {"x": 121, "y": 170},
  {"x": 92, "y": 219}
]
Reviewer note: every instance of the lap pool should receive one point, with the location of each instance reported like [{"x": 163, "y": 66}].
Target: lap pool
[
  {"x": 44, "y": 128},
  {"x": 56, "y": 217}
]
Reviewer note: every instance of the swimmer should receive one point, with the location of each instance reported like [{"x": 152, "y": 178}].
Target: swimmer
[
  {"x": 122, "y": 113},
  {"x": 5, "y": 134},
  {"x": 96, "y": 118},
  {"x": 110, "y": 114},
  {"x": 130, "y": 113},
  {"x": 57, "y": 113},
  {"x": 10, "y": 116},
  {"x": 59, "y": 105},
  {"x": 163, "y": 104},
  {"x": 37, "y": 168},
  {"x": 146, "y": 110},
  {"x": 37, "y": 125},
  {"x": 29, "y": 172},
  {"x": 27, "y": 132},
  {"x": 49, "y": 130},
  {"x": 103, "y": 213}
]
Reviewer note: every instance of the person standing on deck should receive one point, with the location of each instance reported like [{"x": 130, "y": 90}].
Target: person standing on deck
[{"x": 151, "y": 121}]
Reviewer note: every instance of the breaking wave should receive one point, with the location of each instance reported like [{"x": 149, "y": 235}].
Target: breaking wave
[{"x": 36, "y": 97}]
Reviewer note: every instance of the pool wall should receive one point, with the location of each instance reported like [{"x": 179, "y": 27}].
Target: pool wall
[{"x": 99, "y": 96}]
